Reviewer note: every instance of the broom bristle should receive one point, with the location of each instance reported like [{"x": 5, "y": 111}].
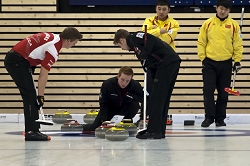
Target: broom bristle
[{"x": 233, "y": 92}]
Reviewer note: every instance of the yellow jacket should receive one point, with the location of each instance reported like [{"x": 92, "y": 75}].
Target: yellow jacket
[
  {"x": 220, "y": 40},
  {"x": 171, "y": 25}
]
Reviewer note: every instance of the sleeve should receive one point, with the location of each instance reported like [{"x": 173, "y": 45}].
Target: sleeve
[
  {"x": 48, "y": 61},
  {"x": 138, "y": 95},
  {"x": 202, "y": 42},
  {"x": 139, "y": 38},
  {"x": 150, "y": 30},
  {"x": 170, "y": 36},
  {"x": 237, "y": 44},
  {"x": 104, "y": 100}
]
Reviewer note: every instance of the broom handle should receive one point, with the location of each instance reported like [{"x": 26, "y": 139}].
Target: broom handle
[
  {"x": 234, "y": 77},
  {"x": 42, "y": 114},
  {"x": 41, "y": 109},
  {"x": 145, "y": 84}
]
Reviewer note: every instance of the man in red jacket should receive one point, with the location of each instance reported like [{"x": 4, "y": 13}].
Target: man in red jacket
[{"x": 20, "y": 62}]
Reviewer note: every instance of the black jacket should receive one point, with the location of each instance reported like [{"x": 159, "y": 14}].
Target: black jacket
[
  {"x": 111, "y": 96},
  {"x": 156, "y": 52}
]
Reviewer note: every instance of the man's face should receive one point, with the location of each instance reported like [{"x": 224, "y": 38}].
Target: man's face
[
  {"x": 222, "y": 12},
  {"x": 124, "y": 80},
  {"x": 162, "y": 12},
  {"x": 70, "y": 44},
  {"x": 123, "y": 44}
]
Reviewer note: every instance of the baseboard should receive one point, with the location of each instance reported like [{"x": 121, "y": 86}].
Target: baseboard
[{"x": 177, "y": 118}]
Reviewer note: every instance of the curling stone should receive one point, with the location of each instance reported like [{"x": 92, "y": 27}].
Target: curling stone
[
  {"x": 61, "y": 116},
  {"x": 89, "y": 118},
  {"x": 129, "y": 126},
  {"x": 116, "y": 134},
  {"x": 71, "y": 125},
  {"x": 101, "y": 130}
]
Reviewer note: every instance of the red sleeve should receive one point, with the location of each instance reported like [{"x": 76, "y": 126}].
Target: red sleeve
[{"x": 48, "y": 61}]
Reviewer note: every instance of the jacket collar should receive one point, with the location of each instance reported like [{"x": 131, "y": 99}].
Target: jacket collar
[
  {"x": 130, "y": 42},
  {"x": 222, "y": 19}
]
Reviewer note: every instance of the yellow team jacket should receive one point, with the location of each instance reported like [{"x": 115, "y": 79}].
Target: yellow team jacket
[
  {"x": 171, "y": 25},
  {"x": 220, "y": 40}
]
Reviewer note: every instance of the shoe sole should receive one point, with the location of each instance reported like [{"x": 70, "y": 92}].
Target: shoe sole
[
  {"x": 34, "y": 139},
  {"x": 149, "y": 138},
  {"x": 220, "y": 125}
]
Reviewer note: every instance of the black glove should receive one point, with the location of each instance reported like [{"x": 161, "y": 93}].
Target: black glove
[
  {"x": 144, "y": 65},
  {"x": 236, "y": 67},
  {"x": 40, "y": 101}
]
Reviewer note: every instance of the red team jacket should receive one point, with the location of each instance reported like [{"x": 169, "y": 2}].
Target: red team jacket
[{"x": 40, "y": 48}]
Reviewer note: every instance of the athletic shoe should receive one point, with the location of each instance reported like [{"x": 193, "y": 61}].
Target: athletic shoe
[
  {"x": 207, "y": 122},
  {"x": 220, "y": 123},
  {"x": 148, "y": 135},
  {"x": 36, "y": 136}
]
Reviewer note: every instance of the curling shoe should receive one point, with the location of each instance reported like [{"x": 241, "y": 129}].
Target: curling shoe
[
  {"x": 207, "y": 122},
  {"x": 148, "y": 135},
  {"x": 36, "y": 136},
  {"x": 220, "y": 123}
]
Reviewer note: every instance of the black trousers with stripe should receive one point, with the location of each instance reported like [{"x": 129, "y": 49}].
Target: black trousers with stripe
[
  {"x": 21, "y": 73},
  {"x": 216, "y": 75},
  {"x": 161, "y": 92}
]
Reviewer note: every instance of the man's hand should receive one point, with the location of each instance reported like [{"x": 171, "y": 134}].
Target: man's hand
[
  {"x": 40, "y": 101},
  {"x": 163, "y": 30},
  {"x": 236, "y": 67},
  {"x": 154, "y": 27}
]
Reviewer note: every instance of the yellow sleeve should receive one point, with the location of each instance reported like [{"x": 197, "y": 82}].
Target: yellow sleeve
[
  {"x": 170, "y": 36},
  {"x": 202, "y": 42},
  {"x": 150, "y": 30},
  {"x": 237, "y": 44}
]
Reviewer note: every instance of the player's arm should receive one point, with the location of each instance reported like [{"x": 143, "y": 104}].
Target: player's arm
[
  {"x": 139, "y": 38},
  {"x": 151, "y": 28},
  {"x": 44, "y": 72},
  {"x": 237, "y": 44},
  {"x": 171, "y": 33},
  {"x": 42, "y": 81},
  {"x": 138, "y": 96},
  {"x": 104, "y": 101},
  {"x": 202, "y": 42}
]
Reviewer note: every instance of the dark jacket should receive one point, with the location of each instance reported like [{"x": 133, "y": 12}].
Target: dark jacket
[
  {"x": 156, "y": 52},
  {"x": 112, "y": 97}
]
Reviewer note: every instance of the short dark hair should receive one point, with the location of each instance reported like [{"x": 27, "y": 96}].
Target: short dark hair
[
  {"x": 126, "y": 70},
  {"x": 71, "y": 34},
  {"x": 120, "y": 33},
  {"x": 225, "y": 3},
  {"x": 163, "y": 3}
]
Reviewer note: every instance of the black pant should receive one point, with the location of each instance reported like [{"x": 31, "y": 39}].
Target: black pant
[
  {"x": 216, "y": 75},
  {"x": 128, "y": 111},
  {"x": 21, "y": 73},
  {"x": 161, "y": 92}
]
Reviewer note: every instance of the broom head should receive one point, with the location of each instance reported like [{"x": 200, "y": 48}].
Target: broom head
[{"x": 231, "y": 91}]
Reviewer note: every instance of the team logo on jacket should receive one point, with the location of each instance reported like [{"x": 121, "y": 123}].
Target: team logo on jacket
[
  {"x": 140, "y": 35},
  {"x": 50, "y": 63},
  {"x": 170, "y": 31},
  {"x": 228, "y": 26}
]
